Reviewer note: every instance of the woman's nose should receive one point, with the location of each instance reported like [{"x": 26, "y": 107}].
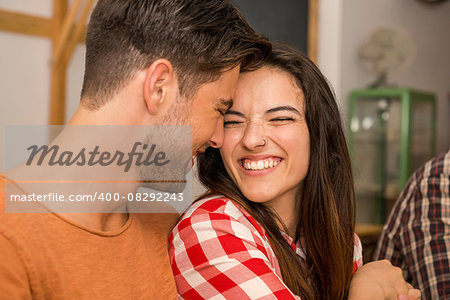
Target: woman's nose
[{"x": 254, "y": 136}]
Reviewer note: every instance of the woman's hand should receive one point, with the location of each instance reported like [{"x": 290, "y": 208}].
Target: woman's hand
[{"x": 379, "y": 280}]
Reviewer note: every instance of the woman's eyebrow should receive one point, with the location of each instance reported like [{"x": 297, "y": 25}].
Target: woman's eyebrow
[
  {"x": 281, "y": 108},
  {"x": 275, "y": 109},
  {"x": 233, "y": 112}
]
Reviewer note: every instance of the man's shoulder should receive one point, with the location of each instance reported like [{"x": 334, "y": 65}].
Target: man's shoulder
[
  {"x": 439, "y": 165},
  {"x": 427, "y": 178},
  {"x": 18, "y": 224},
  {"x": 435, "y": 167},
  {"x": 155, "y": 224}
]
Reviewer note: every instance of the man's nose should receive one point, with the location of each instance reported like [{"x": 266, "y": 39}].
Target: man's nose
[{"x": 216, "y": 140}]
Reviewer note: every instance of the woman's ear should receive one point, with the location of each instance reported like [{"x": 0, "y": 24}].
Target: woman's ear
[{"x": 159, "y": 85}]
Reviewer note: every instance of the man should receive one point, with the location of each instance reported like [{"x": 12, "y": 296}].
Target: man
[
  {"x": 160, "y": 62},
  {"x": 417, "y": 234}
]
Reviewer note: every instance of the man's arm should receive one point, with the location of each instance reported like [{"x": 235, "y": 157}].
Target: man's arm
[
  {"x": 426, "y": 242},
  {"x": 417, "y": 234},
  {"x": 14, "y": 282}
]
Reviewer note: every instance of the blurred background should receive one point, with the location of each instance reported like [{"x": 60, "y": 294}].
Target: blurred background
[{"x": 388, "y": 62}]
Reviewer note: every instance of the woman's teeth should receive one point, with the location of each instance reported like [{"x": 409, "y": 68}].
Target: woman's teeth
[{"x": 260, "y": 164}]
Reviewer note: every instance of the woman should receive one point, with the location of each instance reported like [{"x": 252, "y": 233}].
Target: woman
[{"x": 278, "y": 220}]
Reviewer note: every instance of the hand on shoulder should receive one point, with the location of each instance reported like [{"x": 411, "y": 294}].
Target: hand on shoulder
[{"x": 381, "y": 280}]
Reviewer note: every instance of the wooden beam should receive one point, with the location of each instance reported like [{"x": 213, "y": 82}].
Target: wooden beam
[
  {"x": 58, "y": 30},
  {"x": 68, "y": 23},
  {"x": 58, "y": 70},
  {"x": 79, "y": 33},
  {"x": 24, "y": 24},
  {"x": 30, "y": 25},
  {"x": 313, "y": 23}
]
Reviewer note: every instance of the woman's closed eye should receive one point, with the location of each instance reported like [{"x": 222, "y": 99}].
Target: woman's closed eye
[
  {"x": 231, "y": 123},
  {"x": 284, "y": 114},
  {"x": 281, "y": 120},
  {"x": 275, "y": 121}
]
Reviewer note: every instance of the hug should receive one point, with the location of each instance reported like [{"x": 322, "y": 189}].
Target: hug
[{"x": 277, "y": 216}]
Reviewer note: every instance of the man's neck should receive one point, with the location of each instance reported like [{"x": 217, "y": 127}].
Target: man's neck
[
  {"x": 99, "y": 222},
  {"x": 109, "y": 184}
]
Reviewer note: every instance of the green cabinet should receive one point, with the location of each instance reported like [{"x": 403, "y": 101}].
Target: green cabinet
[{"x": 392, "y": 131}]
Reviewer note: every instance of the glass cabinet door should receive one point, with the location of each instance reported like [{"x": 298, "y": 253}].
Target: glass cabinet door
[{"x": 392, "y": 132}]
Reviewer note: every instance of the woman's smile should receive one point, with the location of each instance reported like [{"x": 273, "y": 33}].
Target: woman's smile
[{"x": 259, "y": 165}]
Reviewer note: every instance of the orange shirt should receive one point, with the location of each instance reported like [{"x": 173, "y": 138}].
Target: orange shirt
[{"x": 44, "y": 256}]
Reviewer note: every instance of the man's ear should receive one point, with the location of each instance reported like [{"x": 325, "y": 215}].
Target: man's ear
[{"x": 159, "y": 85}]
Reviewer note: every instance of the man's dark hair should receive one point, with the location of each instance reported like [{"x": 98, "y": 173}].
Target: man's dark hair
[{"x": 201, "y": 38}]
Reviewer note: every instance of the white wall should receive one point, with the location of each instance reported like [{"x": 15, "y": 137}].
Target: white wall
[
  {"x": 329, "y": 42},
  {"x": 25, "y": 73},
  {"x": 344, "y": 24},
  {"x": 24, "y": 70}
]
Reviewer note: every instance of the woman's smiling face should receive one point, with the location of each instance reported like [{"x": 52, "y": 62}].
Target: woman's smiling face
[{"x": 266, "y": 138}]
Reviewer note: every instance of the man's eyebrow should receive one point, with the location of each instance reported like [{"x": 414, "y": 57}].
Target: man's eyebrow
[
  {"x": 281, "y": 108},
  {"x": 226, "y": 102}
]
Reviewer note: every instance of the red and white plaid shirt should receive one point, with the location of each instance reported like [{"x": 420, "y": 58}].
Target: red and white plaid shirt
[{"x": 218, "y": 251}]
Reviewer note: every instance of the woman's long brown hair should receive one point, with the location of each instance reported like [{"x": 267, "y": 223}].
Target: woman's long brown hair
[{"x": 326, "y": 205}]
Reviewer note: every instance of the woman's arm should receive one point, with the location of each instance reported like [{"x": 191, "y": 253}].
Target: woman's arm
[{"x": 213, "y": 253}]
